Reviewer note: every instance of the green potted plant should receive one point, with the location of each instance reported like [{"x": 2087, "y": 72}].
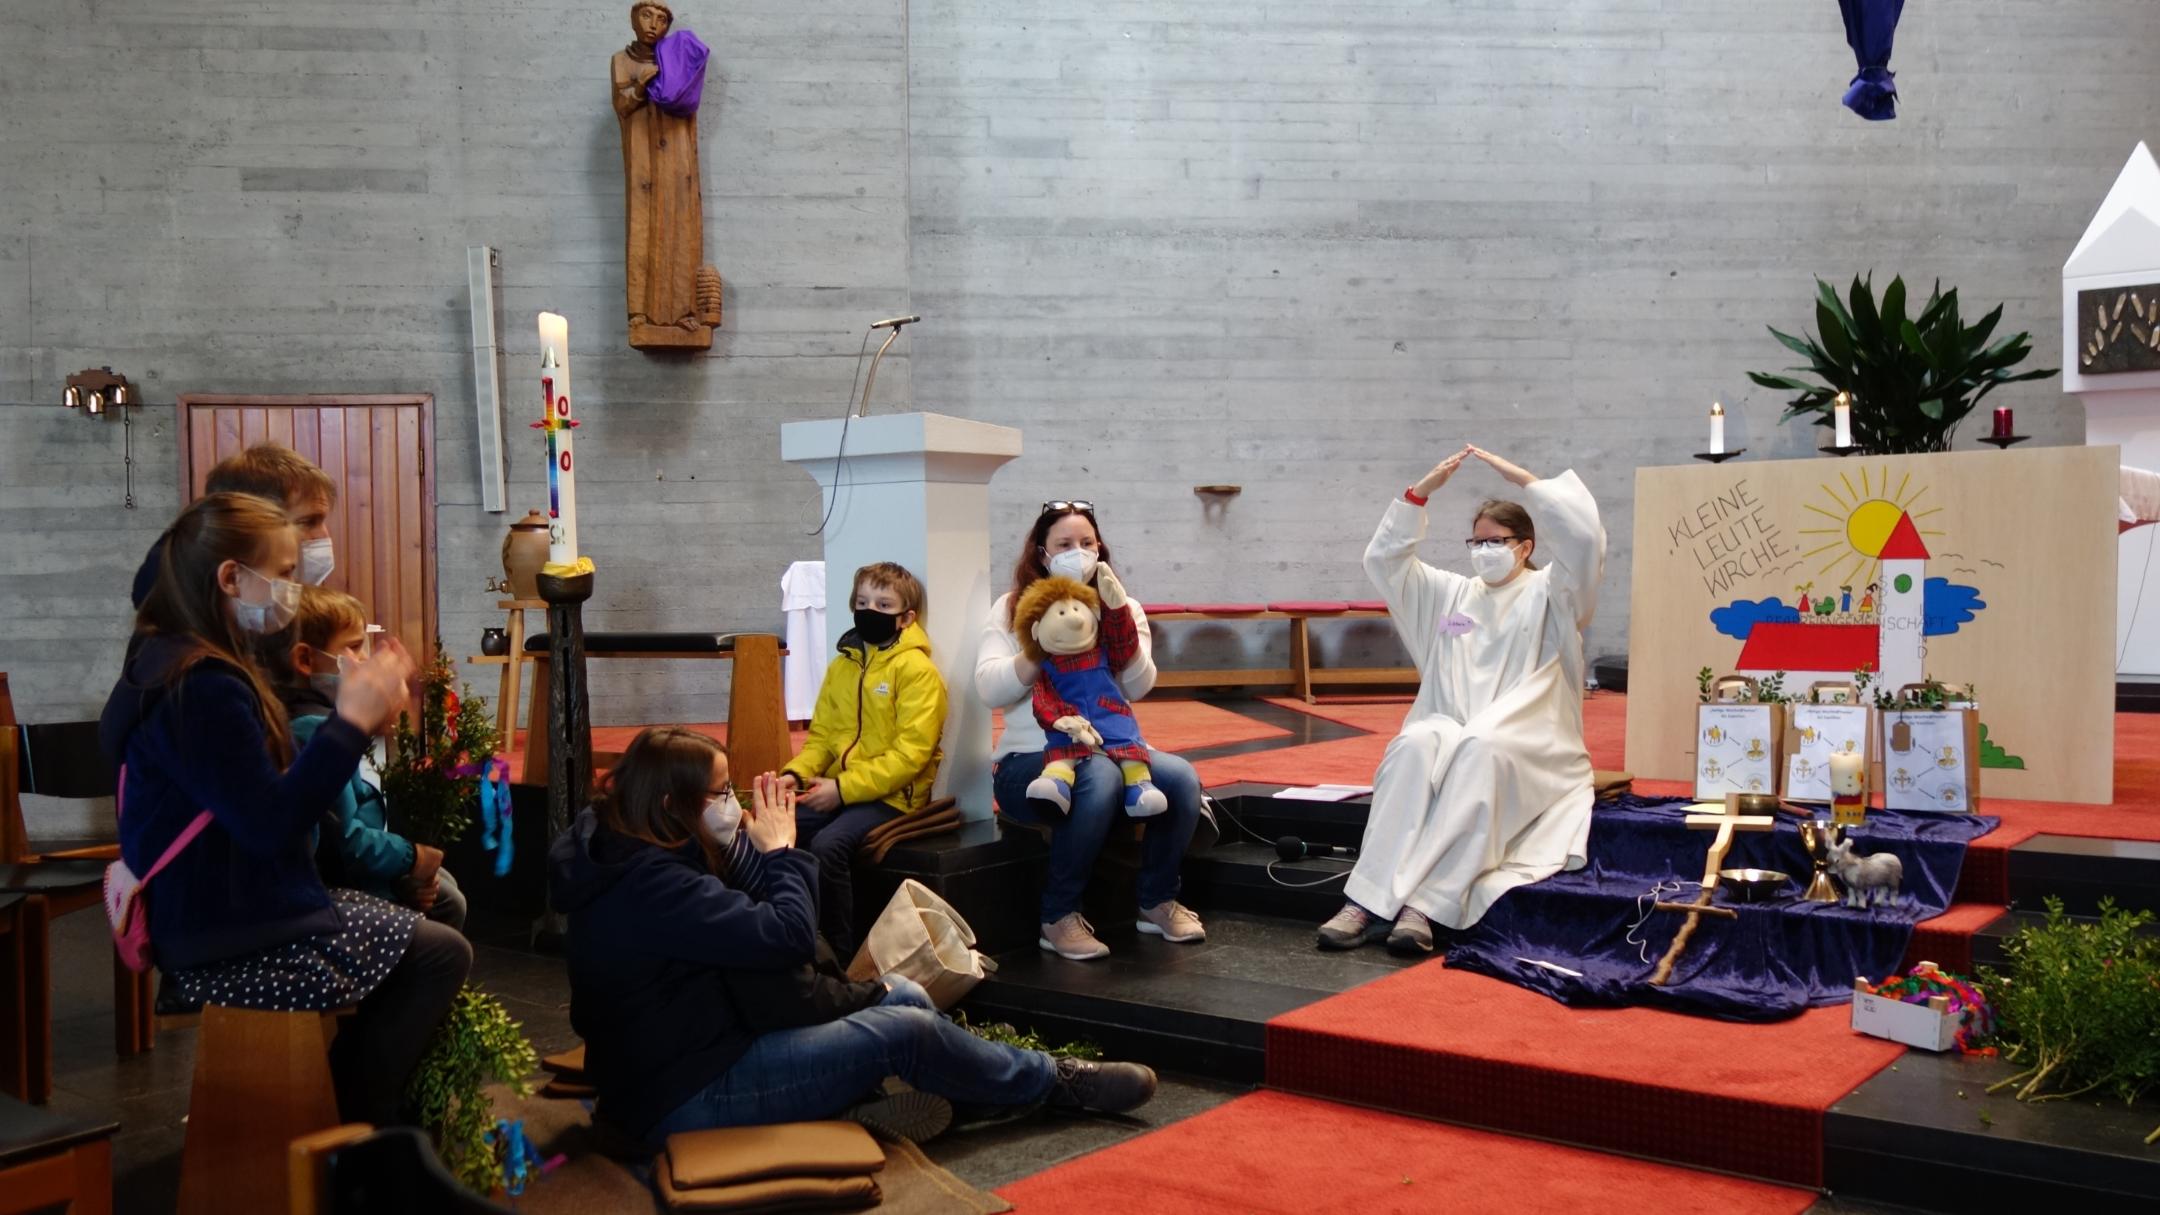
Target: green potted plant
[
  {"x": 1912, "y": 379},
  {"x": 436, "y": 764},
  {"x": 476, "y": 1045}
]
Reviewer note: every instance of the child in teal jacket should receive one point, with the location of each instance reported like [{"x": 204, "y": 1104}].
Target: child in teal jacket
[{"x": 355, "y": 847}]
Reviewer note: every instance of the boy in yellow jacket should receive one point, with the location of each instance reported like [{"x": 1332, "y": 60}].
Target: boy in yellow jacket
[{"x": 873, "y": 747}]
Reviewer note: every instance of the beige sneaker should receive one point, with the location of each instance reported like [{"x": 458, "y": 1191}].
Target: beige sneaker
[
  {"x": 1173, "y": 922},
  {"x": 1073, "y": 937}
]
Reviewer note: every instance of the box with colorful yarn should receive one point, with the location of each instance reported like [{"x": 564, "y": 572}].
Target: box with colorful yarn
[{"x": 1927, "y": 1008}]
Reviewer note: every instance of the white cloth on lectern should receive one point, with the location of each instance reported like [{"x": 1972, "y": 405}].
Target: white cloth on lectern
[
  {"x": 1487, "y": 787},
  {"x": 802, "y": 605}
]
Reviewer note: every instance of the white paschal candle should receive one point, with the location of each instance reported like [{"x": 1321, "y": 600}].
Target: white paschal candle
[
  {"x": 556, "y": 416},
  {"x": 1717, "y": 428},
  {"x": 1842, "y": 414}
]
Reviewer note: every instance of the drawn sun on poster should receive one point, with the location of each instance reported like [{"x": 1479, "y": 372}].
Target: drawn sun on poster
[{"x": 1866, "y": 515}]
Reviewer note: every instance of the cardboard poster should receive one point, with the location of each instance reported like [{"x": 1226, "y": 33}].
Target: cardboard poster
[
  {"x": 1736, "y": 749},
  {"x": 1816, "y": 731}
]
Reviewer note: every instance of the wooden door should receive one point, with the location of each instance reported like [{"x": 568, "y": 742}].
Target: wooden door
[{"x": 379, "y": 451}]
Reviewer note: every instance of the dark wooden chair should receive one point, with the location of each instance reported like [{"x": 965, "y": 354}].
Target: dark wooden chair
[
  {"x": 352, "y": 1170},
  {"x": 51, "y": 1163},
  {"x": 64, "y": 760}
]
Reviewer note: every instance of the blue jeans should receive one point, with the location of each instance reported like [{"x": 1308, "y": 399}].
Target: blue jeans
[
  {"x": 818, "y": 1071},
  {"x": 1098, "y": 803},
  {"x": 833, "y": 838}
]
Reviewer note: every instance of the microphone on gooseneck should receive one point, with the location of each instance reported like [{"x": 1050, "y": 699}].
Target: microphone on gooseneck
[{"x": 1291, "y": 848}]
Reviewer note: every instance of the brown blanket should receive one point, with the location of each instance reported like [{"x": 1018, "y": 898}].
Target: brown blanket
[{"x": 937, "y": 818}]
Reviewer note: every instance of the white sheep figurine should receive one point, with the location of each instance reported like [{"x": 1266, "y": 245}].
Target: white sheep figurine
[{"x": 1867, "y": 880}]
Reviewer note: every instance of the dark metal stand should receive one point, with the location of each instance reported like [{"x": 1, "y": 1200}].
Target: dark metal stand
[
  {"x": 2004, "y": 441},
  {"x": 1840, "y": 451},
  {"x": 569, "y": 711},
  {"x": 1719, "y": 457}
]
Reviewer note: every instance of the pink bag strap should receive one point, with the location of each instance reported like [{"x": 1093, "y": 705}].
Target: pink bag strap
[{"x": 187, "y": 834}]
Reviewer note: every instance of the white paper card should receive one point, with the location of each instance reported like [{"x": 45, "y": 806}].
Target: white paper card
[
  {"x": 1929, "y": 774},
  {"x": 1821, "y": 730},
  {"x": 1734, "y": 750},
  {"x": 1323, "y": 793}
]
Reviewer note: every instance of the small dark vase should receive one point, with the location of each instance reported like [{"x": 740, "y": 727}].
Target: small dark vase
[{"x": 494, "y": 642}]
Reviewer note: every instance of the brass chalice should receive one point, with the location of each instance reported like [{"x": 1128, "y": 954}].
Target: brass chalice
[{"x": 1819, "y": 838}]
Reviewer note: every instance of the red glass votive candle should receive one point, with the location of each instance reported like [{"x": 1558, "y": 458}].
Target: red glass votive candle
[{"x": 2002, "y": 421}]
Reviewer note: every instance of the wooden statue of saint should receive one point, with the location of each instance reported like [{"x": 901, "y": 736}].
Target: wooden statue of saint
[{"x": 674, "y": 299}]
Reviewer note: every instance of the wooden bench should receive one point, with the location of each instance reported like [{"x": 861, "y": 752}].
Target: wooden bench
[
  {"x": 1301, "y": 675},
  {"x": 261, "y": 1079},
  {"x": 757, "y": 707}
]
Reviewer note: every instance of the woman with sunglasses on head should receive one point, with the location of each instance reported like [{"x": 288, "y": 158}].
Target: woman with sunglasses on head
[
  {"x": 1488, "y": 785},
  {"x": 1065, "y": 542}
]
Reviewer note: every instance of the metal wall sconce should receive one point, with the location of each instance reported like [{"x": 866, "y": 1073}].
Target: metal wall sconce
[{"x": 94, "y": 391}]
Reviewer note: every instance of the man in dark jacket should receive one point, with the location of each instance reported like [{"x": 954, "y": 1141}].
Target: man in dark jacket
[
  {"x": 704, "y": 999},
  {"x": 276, "y": 472}
]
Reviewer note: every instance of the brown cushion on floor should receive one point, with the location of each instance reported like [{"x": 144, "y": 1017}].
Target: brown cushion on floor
[
  {"x": 733, "y": 1155},
  {"x": 776, "y": 1194},
  {"x": 569, "y": 1062}
]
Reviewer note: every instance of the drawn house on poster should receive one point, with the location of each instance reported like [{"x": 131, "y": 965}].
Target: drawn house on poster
[{"x": 1892, "y": 646}]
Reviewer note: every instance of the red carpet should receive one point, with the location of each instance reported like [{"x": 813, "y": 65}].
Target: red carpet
[
  {"x": 1278, "y": 1154},
  {"x": 1460, "y": 1047},
  {"x": 1947, "y": 940}
]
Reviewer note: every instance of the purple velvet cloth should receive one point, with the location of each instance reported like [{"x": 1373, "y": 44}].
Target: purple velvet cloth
[
  {"x": 1870, "y": 25},
  {"x": 680, "y": 84}
]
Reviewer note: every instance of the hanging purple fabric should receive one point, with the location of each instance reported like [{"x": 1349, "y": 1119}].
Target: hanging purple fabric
[
  {"x": 680, "y": 83},
  {"x": 1869, "y": 26}
]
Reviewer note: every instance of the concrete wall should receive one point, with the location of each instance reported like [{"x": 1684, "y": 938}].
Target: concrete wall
[{"x": 1303, "y": 248}]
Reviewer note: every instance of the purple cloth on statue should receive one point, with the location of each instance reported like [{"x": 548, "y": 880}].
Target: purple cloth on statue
[{"x": 680, "y": 83}]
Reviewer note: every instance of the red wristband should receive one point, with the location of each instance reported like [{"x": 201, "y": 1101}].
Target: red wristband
[{"x": 1410, "y": 495}]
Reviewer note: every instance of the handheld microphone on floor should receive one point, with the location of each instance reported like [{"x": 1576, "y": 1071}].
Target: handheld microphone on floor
[{"x": 1291, "y": 848}]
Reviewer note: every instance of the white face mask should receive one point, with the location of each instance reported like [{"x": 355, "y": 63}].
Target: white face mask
[
  {"x": 1077, "y": 564},
  {"x": 327, "y": 684},
  {"x": 316, "y": 561},
  {"x": 723, "y": 815},
  {"x": 271, "y": 607},
  {"x": 1493, "y": 563}
]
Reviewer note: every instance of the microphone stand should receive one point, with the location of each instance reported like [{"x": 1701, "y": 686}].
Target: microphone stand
[{"x": 863, "y": 411}]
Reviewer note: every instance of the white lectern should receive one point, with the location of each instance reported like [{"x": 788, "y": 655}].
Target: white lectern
[
  {"x": 915, "y": 488},
  {"x": 2121, "y": 248}
]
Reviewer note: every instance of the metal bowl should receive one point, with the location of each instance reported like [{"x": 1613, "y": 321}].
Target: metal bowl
[{"x": 1753, "y": 885}]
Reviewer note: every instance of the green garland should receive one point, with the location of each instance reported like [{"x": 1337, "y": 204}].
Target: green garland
[
  {"x": 478, "y": 1043},
  {"x": 2079, "y": 1008}
]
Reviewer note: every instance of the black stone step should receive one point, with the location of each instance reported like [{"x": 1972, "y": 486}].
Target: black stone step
[
  {"x": 1201, "y": 1009},
  {"x": 1988, "y": 941},
  {"x": 1915, "y": 1134},
  {"x": 1254, "y": 810},
  {"x": 2082, "y": 871},
  {"x": 1250, "y": 878},
  {"x": 2135, "y": 695}
]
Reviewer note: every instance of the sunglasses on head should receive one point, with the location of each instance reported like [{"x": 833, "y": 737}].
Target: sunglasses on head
[{"x": 1061, "y": 508}]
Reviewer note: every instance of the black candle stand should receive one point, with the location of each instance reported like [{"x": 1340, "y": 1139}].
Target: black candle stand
[
  {"x": 2004, "y": 441},
  {"x": 1719, "y": 457}
]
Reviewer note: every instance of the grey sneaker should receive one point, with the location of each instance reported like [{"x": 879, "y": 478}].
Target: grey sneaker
[
  {"x": 1073, "y": 937},
  {"x": 1412, "y": 934},
  {"x": 1352, "y": 926},
  {"x": 1173, "y": 922},
  {"x": 1104, "y": 1088}
]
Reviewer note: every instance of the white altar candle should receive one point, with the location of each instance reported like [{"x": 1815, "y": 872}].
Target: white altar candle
[
  {"x": 1842, "y": 413},
  {"x": 556, "y": 420},
  {"x": 1717, "y": 428}
]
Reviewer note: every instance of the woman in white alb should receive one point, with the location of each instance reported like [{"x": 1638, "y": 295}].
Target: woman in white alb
[{"x": 1487, "y": 787}]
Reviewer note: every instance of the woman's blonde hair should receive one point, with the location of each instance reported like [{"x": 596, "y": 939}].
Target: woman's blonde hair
[{"x": 187, "y": 604}]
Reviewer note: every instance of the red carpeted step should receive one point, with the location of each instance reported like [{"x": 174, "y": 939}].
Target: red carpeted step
[
  {"x": 1947, "y": 939},
  {"x": 1279, "y": 1154},
  {"x": 1446, "y": 1044}
]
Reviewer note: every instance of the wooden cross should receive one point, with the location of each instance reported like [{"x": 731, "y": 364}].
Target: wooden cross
[{"x": 1727, "y": 821}]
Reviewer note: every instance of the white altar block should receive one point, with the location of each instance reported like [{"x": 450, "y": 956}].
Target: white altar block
[
  {"x": 2121, "y": 248},
  {"x": 914, "y": 488}
]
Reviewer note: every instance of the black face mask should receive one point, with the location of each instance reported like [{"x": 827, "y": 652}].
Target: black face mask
[{"x": 876, "y": 627}]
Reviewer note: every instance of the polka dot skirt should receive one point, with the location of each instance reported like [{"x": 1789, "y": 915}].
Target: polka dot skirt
[{"x": 313, "y": 974}]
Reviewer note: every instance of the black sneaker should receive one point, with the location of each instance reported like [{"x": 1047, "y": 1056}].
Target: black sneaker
[
  {"x": 1104, "y": 1088},
  {"x": 910, "y": 1114}
]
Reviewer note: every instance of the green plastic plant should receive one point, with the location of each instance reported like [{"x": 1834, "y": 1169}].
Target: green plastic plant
[
  {"x": 1703, "y": 679},
  {"x": 1771, "y": 691},
  {"x": 477, "y": 1044},
  {"x": 1912, "y": 379},
  {"x": 2079, "y": 1008},
  {"x": 432, "y": 781}
]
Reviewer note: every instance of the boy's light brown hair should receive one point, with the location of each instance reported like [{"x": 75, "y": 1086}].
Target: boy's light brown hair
[
  {"x": 324, "y": 614},
  {"x": 894, "y": 577},
  {"x": 273, "y": 471}
]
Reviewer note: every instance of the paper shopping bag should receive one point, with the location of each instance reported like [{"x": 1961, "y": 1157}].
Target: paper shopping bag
[{"x": 919, "y": 936}]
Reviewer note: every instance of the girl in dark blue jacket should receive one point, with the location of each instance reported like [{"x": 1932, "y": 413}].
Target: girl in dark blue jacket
[
  {"x": 240, "y": 917},
  {"x": 698, "y": 982}
]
